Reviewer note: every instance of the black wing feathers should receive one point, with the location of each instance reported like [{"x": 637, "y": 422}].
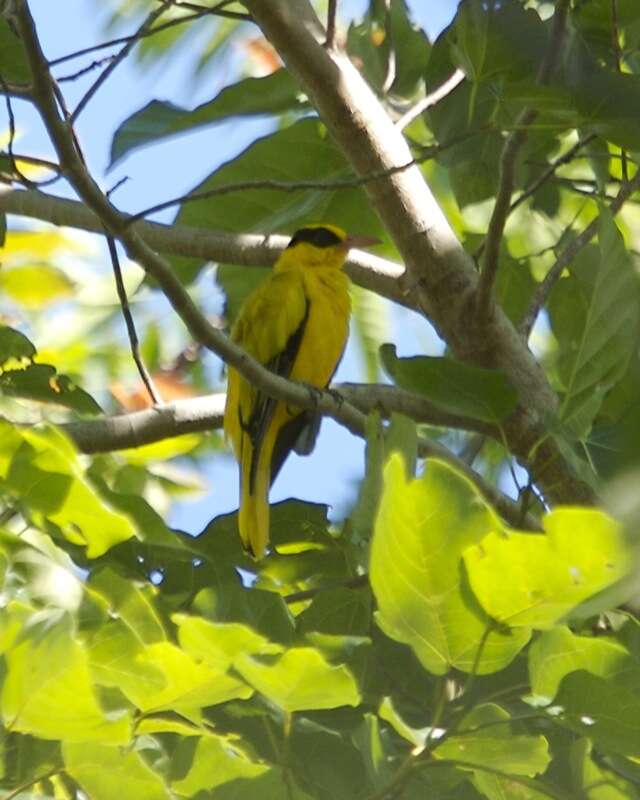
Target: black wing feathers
[{"x": 264, "y": 405}]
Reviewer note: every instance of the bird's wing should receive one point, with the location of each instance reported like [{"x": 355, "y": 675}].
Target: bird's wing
[{"x": 270, "y": 327}]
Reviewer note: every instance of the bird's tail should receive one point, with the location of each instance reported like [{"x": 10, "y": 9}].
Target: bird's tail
[{"x": 253, "y": 517}]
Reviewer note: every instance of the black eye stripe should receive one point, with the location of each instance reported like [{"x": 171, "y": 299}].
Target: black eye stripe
[{"x": 320, "y": 237}]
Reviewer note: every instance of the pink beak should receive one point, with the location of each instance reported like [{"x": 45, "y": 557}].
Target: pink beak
[{"x": 360, "y": 241}]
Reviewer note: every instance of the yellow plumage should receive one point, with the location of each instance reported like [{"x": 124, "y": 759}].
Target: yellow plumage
[{"x": 296, "y": 323}]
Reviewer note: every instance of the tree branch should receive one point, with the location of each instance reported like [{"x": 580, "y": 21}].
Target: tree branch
[
  {"x": 507, "y": 171},
  {"x": 255, "y": 250},
  {"x": 202, "y": 414},
  {"x": 432, "y": 99},
  {"x": 137, "y": 428},
  {"x": 119, "y": 58},
  {"x": 444, "y": 276}
]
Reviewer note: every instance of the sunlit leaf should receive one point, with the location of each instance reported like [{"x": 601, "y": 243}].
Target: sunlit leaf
[
  {"x": 108, "y": 772},
  {"x": 544, "y": 577},
  {"x": 48, "y": 691},
  {"x": 422, "y": 530},
  {"x": 301, "y": 679}
]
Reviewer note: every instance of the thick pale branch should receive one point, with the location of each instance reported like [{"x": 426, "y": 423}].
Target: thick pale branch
[
  {"x": 137, "y": 428},
  {"x": 202, "y": 414},
  {"x": 443, "y": 274},
  {"x": 371, "y": 272}
]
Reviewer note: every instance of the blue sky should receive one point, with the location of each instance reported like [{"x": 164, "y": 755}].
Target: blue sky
[{"x": 170, "y": 168}]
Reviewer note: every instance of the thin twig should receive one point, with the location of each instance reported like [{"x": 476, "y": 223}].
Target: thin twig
[
  {"x": 432, "y": 99},
  {"x": 507, "y": 170},
  {"x": 219, "y": 9},
  {"x": 73, "y": 76},
  {"x": 124, "y": 39},
  {"x": 32, "y": 782},
  {"x": 332, "y": 10},
  {"x": 560, "y": 161},
  {"x": 12, "y": 135},
  {"x": 568, "y": 254},
  {"x": 128, "y": 318},
  {"x": 275, "y": 185},
  {"x": 124, "y": 52}
]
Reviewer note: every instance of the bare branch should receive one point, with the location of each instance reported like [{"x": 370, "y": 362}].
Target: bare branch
[
  {"x": 275, "y": 185},
  {"x": 124, "y": 39},
  {"x": 544, "y": 176},
  {"x": 202, "y": 414},
  {"x": 119, "y": 58},
  {"x": 219, "y": 9},
  {"x": 128, "y": 318},
  {"x": 389, "y": 399},
  {"x": 508, "y": 159},
  {"x": 256, "y": 250},
  {"x": 432, "y": 99},
  {"x": 137, "y": 428},
  {"x": 569, "y": 253}
]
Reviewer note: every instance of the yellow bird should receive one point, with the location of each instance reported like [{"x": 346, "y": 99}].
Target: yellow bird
[{"x": 295, "y": 323}]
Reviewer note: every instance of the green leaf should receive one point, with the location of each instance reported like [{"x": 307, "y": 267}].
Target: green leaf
[
  {"x": 603, "y": 711},
  {"x": 370, "y": 740},
  {"x": 544, "y": 577},
  {"x": 364, "y": 514},
  {"x": 46, "y": 474},
  {"x": 388, "y": 712},
  {"x": 130, "y": 603},
  {"x": 422, "y": 529},
  {"x": 264, "y": 612},
  {"x": 35, "y": 286},
  {"x": 216, "y": 760},
  {"x": 48, "y": 691},
  {"x": 471, "y": 391},
  {"x": 189, "y": 686},
  {"x": 402, "y": 438},
  {"x": 158, "y": 120},
  {"x": 494, "y": 39},
  {"x": 14, "y": 344},
  {"x": 341, "y": 612},
  {"x": 371, "y": 324},
  {"x": 116, "y": 659},
  {"x": 220, "y": 644},
  {"x": 495, "y": 745},
  {"x": 558, "y": 652},
  {"x": 14, "y": 66},
  {"x": 369, "y": 44},
  {"x": 41, "y": 382},
  {"x": 108, "y": 772},
  {"x": 595, "y": 780},
  {"x": 301, "y": 679},
  {"x": 595, "y": 315}
]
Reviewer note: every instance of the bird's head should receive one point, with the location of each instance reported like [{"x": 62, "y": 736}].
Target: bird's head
[{"x": 323, "y": 246}]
